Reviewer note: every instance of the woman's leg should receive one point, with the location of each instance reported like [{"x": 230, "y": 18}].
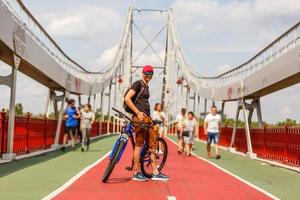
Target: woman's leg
[
  {"x": 88, "y": 137},
  {"x": 83, "y": 142},
  {"x": 187, "y": 149},
  {"x": 73, "y": 132},
  {"x": 161, "y": 135}
]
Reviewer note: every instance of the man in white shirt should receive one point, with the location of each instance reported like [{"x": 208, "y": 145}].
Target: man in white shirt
[
  {"x": 212, "y": 130},
  {"x": 179, "y": 127}
]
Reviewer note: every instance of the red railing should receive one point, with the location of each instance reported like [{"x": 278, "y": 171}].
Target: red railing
[
  {"x": 32, "y": 134},
  {"x": 278, "y": 144}
]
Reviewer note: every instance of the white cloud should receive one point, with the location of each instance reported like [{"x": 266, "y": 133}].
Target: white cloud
[
  {"x": 233, "y": 26},
  {"x": 83, "y": 22},
  {"x": 105, "y": 58}
]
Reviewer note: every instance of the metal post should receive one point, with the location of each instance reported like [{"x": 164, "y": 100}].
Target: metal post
[
  {"x": 194, "y": 103},
  {"x": 247, "y": 129},
  {"x": 79, "y": 101},
  {"x": 250, "y": 115},
  {"x": 164, "y": 87},
  {"x": 259, "y": 115},
  {"x": 114, "y": 124},
  {"x": 198, "y": 106},
  {"x": 60, "y": 118},
  {"x": 11, "y": 123},
  {"x": 205, "y": 107},
  {"x": 109, "y": 99},
  {"x": 101, "y": 110},
  {"x": 48, "y": 104},
  {"x": 235, "y": 125},
  {"x": 222, "y": 111},
  {"x": 89, "y": 99},
  {"x": 94, "y": 102},
  {"x": 131, "y": 46},
  {"x": 115, "y": 93}
]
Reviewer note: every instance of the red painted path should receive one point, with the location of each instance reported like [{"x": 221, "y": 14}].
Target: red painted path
[{"x": 191, "y": 178}]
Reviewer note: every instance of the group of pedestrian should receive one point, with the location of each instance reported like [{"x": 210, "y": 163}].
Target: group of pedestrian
[
  {"x": 187, "y": 130},
  {"x": 78, "y": 122}
]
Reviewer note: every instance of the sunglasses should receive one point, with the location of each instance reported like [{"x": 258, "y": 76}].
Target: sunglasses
[{"x": 148, "y": 73}]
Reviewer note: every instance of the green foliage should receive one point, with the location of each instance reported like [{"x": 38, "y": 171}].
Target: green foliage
[
  {"x": 19, "y": 109},
  {"x": 287, "y": 122}
]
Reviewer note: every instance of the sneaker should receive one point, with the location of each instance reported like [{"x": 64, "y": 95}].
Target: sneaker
[
  {"x": 139, "y": 177},
  {"x": 63, "y": 148},
  {"x": 160, "y": 177},
  {"x": 208, "y": 155},
  {"x": 82, "y": 149},
  {"x": 218, "y": 157},
  {"x": 179, "y": 152}
]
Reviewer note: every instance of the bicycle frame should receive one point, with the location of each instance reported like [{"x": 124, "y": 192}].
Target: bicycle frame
[{"x": 127, "y": 132}]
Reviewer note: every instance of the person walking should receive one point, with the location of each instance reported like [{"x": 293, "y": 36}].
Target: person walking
[
  {"x": 137, "y": 100},
  {"x": 189, "y": 131},
  {"x": 71, "y": 115},
  {"x": 178, "y": 126},
  {"x": 159, "y": 115},
  {"x": 78, "y": 127},
  {"x": 87, "y": 120},
  {"x": 212, "y": 123}
]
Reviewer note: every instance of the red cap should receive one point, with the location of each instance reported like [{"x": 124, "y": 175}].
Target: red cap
[{"x": 148, "y": 68}]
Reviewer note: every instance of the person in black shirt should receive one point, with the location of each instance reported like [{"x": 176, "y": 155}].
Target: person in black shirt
[{"x": 139, "y": 91}]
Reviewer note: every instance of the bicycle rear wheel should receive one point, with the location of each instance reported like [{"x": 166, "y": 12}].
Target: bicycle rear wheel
[
  {"x": 161, "y": 158},
  {"x": 113, "y": 162}
]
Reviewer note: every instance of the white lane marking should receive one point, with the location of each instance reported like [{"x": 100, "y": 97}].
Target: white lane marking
[
  {"x": 171, "y": 198},
  {"x": 231, "y": 174},
  {"x": 74, "y": 178}
]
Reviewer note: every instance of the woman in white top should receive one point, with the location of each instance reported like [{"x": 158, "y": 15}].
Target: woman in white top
[
  {"x": 189, "y": 132},
  {"x": 159, "y": 115},
  {"x": 87, "y": 119}
]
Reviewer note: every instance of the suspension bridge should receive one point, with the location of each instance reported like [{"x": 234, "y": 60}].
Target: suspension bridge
[{"x": 27, "y": 47}]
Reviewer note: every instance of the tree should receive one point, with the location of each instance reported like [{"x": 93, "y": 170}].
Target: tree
[{"x": 19, "y": 109}]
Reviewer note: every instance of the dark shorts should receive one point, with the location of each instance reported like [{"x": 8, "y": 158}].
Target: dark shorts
[
  {"x": 179, "y": 136},
  {"x": 214, "y": 137},
  {"x": 148, "y": 135},
  {"x": 70, "y": 130}
]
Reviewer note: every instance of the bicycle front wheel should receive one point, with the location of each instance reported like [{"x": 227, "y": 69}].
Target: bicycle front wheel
[
  {"x": 113, "y": 162},
  {"x": 161, "y": 158}
]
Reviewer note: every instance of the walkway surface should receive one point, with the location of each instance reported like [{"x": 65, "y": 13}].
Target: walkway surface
[
  {"x": 191, "y": 178},
  {"x": 35, "y": 178}
]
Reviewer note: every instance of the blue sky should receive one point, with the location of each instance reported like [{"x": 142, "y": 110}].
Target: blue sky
[{"x": 216, "y": 36}]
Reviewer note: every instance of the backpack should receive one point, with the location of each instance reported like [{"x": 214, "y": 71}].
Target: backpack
[{"x": 126, "y": 107}]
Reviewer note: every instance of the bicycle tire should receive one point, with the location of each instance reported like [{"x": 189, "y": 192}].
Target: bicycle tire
[
  {"x": 112, "y": 162},
  {"x": 165, "y": 155}
]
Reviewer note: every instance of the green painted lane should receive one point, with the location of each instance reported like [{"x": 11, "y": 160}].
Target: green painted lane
[
  {"x": 283, "y": 183},
  {"x": 36, "y": 177}
]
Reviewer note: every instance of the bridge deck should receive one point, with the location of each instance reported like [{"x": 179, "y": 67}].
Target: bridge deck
[{"x": 35, "y": 178}]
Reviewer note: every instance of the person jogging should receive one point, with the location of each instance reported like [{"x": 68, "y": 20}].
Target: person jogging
[
  {"x": 137, "y": 100},
  {"x": 71, "y": 115},
  {"x": 87, "y": 120},
  {"x": 212, "y": 130}
]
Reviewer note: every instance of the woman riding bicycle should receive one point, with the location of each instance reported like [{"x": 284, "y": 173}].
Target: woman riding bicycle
[{"x": 137, "y": 99}]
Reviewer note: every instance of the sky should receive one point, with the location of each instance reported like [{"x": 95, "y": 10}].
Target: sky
[{"x": 216, "y": 36}]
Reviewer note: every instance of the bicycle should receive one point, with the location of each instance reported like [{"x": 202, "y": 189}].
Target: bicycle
[{"x": 121, "y": 143}]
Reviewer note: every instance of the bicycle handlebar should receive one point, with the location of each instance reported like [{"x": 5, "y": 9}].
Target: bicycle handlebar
[{"x": 154, "y": 122}]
